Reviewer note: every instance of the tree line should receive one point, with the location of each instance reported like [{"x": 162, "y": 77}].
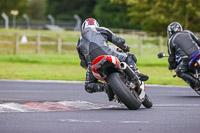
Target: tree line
[{"x": 147, "y": 15}]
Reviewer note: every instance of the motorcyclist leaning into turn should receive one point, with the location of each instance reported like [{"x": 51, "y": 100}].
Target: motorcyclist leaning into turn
[
  {"x": 93, "y": 43},
  {"x": 182, "y": 43}
]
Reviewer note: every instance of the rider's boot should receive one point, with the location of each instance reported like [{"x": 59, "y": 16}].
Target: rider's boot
[
  {"x": 131, "y": 61},
  {"x": 141, "y": 76},
  {"x": 109, "y": 92},
  {"x": 194, "y": 83},
  {"x": 100, "y": 87},
  {"x": 94, "y": 87}
]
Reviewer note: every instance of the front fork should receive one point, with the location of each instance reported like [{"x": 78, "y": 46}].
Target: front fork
[
  {"x": 197, "y": 74},
  {"x": 142, "y": 87}
]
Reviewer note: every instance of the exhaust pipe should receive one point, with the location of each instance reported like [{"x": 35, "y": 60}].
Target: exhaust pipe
[
  {"x": 128, "y": 71},
  {"x": 132, "y": 75}
]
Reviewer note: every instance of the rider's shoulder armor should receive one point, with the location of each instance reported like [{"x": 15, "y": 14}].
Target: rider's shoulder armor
[{"x": 184, "y": 41}]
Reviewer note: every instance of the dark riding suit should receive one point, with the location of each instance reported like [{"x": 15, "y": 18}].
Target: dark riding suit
[
  {"x": 93, "y": 43},
  {"x": 182, "y": 44}
]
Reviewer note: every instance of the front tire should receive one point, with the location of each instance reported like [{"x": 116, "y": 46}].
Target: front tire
[
  {"x": 123, "y": 92},
  {"x": 198, "y": 92},
  {"x": 147, "y": 102}
]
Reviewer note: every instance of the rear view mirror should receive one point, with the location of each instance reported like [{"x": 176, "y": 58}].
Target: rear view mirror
[{"x": 161, "y": 55}]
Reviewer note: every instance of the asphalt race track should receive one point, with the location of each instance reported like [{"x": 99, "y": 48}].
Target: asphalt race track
[{"x": 65, "y": 107}]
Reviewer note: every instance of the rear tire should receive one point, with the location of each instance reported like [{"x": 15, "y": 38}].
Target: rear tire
[
  {"x": 123, "y": 92},
  {"x": 147, "y": 102}
]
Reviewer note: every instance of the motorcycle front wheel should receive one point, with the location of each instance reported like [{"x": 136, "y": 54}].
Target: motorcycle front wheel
[
  {"x": 123, "y": 92},
  {"x": 147, "y": 102},
  {"x": 198, "y": 92}
]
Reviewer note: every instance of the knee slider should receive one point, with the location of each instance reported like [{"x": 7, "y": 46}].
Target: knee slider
[
  {"x": 131, "y": 61},
  {"x": 131, "y": 57},
  {"x": 89, "y": 87},
  {"x": 179, "y": 73}
]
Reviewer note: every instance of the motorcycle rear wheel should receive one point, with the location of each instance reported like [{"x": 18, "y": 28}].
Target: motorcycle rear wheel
[{"x": 123, "y": 92}]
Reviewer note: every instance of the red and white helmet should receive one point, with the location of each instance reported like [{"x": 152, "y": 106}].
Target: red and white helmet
[{"x": 90, "y": 22}]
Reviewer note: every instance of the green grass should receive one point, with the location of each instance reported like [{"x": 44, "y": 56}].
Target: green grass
[
  {"x": 67, "y": 59},
  {"x": 161, "y": 75},
  {"x": 68, "y": 36},
  {"x": 41, "y": 72},
  {"x": 66, "y": 67},
  {"x": 50, "y": 66}
]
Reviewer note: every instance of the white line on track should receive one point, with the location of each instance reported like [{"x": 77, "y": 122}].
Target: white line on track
[
  {"x": 78, "y": 121},
  {"x": 130, "y": 122},
  {"x": 76, "y": 82},
  {"x": 176, "y": 105},
  {"x": 97, "y": 121},
  {"x": 42, "y": 81}
]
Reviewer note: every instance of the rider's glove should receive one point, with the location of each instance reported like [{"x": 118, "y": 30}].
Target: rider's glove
[
  {"x": 126, "y": 49},
  {"x": 172, "y": 66}
]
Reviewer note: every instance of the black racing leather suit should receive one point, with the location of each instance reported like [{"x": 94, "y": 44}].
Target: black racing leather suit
[
  {"x": 182, "y": 44},
  {"x": 93, "y": 43}
]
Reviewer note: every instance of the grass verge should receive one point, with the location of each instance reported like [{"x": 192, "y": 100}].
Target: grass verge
[
  {"x": 66, "y": 67},
  {"x": 49, "y": 66}
]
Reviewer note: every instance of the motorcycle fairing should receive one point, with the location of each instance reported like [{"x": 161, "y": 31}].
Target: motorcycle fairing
[
  {"x": 100, "y": 61},
  {"x": 195, "y": 58}
]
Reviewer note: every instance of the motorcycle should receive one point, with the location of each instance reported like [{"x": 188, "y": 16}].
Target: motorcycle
[
  {"x": 193, "y": 65},
  {"x": 123, "y": 81}
]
